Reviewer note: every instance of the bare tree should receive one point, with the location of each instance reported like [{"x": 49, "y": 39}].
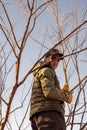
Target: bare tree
[
  {"x": 14, "y": 45},
  {"x": 32, "y": 10},
  {"x": 74, "y": 44}
]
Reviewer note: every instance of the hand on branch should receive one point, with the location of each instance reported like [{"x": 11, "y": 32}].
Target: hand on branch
[
  {"x": 69, "y": 97},
  {"x": 65, "y": 87}
]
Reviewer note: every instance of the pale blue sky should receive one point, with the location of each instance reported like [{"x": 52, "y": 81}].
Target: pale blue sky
[{"x": 44, "y": 25}]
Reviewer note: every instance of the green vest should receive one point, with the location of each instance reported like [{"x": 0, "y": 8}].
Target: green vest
[{"x": 39, "y": 102}]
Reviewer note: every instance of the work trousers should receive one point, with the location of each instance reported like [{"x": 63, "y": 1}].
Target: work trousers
[{"x": 48, "y": 120}]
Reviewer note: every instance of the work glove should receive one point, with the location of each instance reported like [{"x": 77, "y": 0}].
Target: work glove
[
  {"x": 65, "y": 88},
  {"x": 69, "y": 97}
]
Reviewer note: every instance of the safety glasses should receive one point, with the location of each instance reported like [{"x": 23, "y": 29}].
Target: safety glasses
[{"x": 55, "y": 58}]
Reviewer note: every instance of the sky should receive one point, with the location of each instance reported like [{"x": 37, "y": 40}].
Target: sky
[{"x": 44, "y": 29}]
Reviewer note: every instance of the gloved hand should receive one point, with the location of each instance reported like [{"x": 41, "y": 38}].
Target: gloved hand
[
  {"x": 69, "y": 97},
  {"x": 65, "y": 88}
]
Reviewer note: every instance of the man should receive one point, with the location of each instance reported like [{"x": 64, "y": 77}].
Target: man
[{"x": 47, "y": 99}]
